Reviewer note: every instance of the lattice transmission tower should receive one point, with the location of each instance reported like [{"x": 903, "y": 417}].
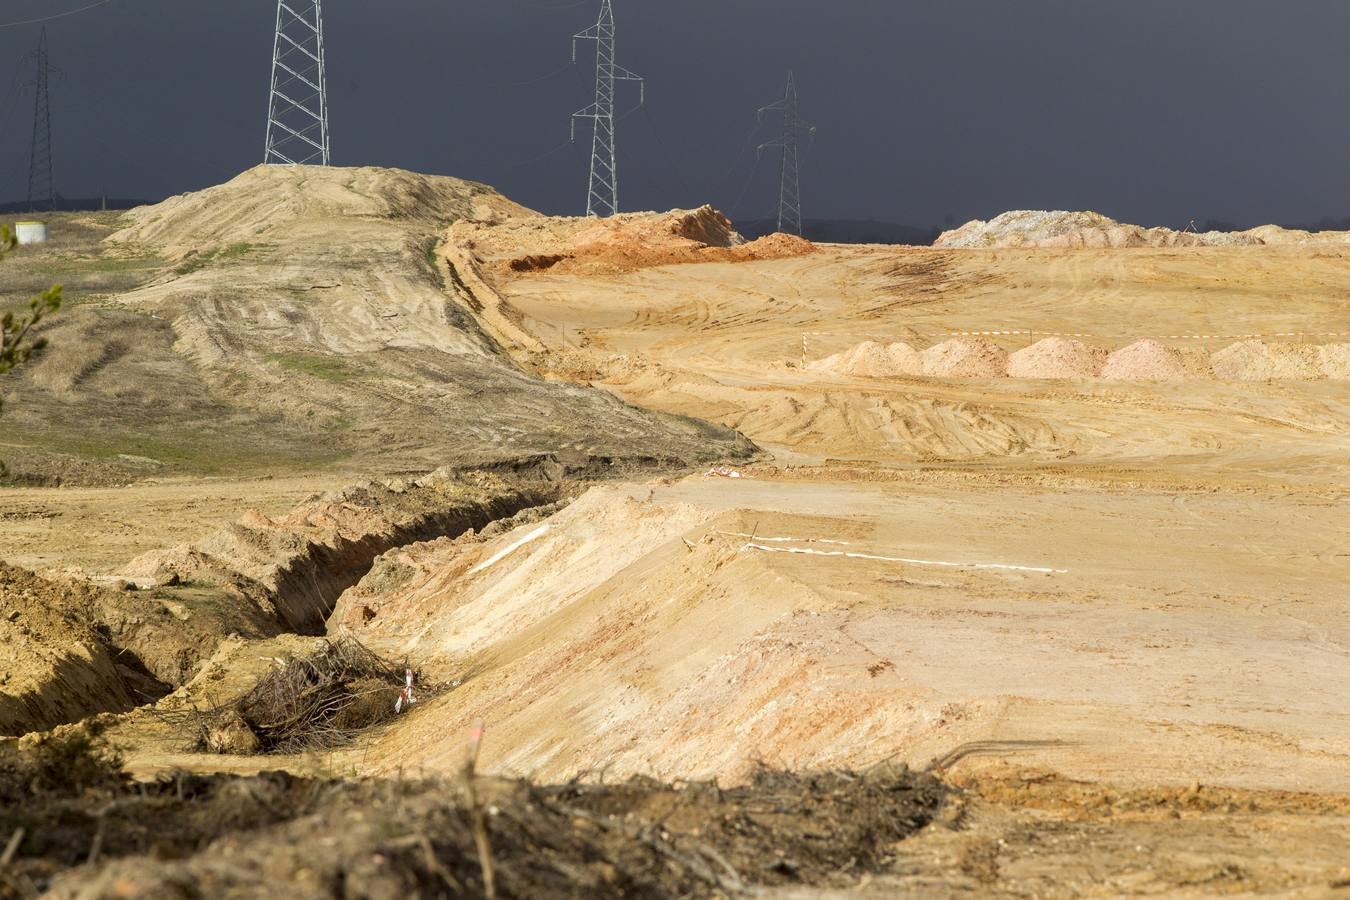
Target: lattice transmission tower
[
  {"x": 297, "y": 111},
  {"x": 790, "y": 189},
  {"x": 603, "y": 197},
  {"x": 41, "y": 183}
]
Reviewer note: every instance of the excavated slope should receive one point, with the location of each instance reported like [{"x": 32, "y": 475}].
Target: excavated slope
[{"x": 54, "y": 667}]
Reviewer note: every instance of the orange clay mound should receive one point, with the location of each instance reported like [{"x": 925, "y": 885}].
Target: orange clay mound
[
  {"x": 1145, "y": 360},
  {"x": 965, "y": 358},
  {"x": 1057, "y": 357},
  {"x": 1259, "y": 361},
  {"x": 632, "y": 241}
]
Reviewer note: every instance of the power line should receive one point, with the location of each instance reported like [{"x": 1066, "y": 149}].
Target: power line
[
  {"x": 602, "y": 198},
  {"x": 789, "y": 191},
  {"x": 297, "y": 111},
  {"x": 73, "y": 12},
  {"x": 41, "y": 186}
]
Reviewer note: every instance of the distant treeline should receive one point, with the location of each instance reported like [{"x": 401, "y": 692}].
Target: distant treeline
[
  {"x": 70, "y": 204},
  {"x": 845, "y": 231}
]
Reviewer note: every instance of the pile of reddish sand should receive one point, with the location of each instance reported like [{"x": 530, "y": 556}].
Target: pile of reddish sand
[
  {"x": 1057, "y": 357},
  {"x": 1145, "y": 360},
  {"x": 872, "y": 360},
  {"x": 1259, "y": 361},
  {"x": 965, "y": 358},
  {"x": 633, "y": 241}
]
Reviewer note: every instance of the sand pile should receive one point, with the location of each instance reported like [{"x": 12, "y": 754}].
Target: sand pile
[
  {"x": 279, "y": 204},
  {"x": 679, "y": 229},
  {"x": 1068, "y": 230},
  {"x": 1057, "y": 357},
  {"x": 1259, "y": 361},
  {"x": 871, "y": 359},
  {"x": 965, "y": 358},
  {"x": 619, "y": 244},
  {"x": 773, "y": 246},
  {"x": 1145, "y": 360},
  {"x": 1334, "y": 360}
]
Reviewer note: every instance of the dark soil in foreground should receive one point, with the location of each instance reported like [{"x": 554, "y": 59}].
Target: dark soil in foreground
[{"x": 87, "y": 831}]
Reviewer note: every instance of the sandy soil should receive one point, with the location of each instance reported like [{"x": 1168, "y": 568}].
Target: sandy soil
[
  {"x": 1112, "y": 609},
  {"x": 51, "y": 528},
  {"x": 1189, "y": 631}
]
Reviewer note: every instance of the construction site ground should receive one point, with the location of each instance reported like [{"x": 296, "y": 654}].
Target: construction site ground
[{"x": 1108, "y": 613}]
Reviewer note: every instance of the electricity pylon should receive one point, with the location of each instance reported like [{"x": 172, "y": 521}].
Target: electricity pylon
[
  {"x": 790, "y": 190},
  {"x": 297, "y": 111},
  {"x": 41, "y": 185},
  {"x": 603, "y": 197}
]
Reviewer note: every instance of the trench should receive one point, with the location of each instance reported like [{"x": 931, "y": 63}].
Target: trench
[{"x": 307, "y": 591}]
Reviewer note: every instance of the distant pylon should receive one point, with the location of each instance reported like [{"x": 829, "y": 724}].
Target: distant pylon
[
  {"x": 790, "y": 189},
  {"x": 603, "y": 196},
  {"x": 41, "y": 185},
  {"x": 297, "y": 111}
]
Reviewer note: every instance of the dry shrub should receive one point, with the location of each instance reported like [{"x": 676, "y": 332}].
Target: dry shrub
[
  {"x": 396, "y": 838},
  {"x": 310, "y": 703}
]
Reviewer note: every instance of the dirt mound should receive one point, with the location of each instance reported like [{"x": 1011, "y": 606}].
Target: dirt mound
[
  {"x": 872, "y": 360},
  {"x": 54, "y": 667},
  {"x": 1063, "y": 230},
  {"x": 1260, "y": 361},
  {"x": 1335, "y": 361},
  {"x": 1057, "y": 357},
  {"x": 1145, "y": 360},
  {"x": 302, "y": 318},
  {"x": 619, "y": 244},
  {"x": 286, "y": 203},
  {"x": 965, "y": 358},
  {"x": 774, "y": 246}
]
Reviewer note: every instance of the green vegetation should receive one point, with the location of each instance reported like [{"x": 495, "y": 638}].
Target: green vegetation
[
  {"x": 193, "y": 449},
  {"x": 328, "y": 368},
  {"x": 196, "y": 261},
  {"x": 430, "y": 251},
  {"x": 17, "y": 343}
]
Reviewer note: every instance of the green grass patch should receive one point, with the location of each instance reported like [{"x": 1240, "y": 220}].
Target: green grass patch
[
  {"x": 199, "y": 452},
  {"x": 196, "y": 261},
  {"x": 328, "y": 368}
]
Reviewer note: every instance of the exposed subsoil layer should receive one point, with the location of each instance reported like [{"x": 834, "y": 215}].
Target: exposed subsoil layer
[{"x": 54, "y": 666}]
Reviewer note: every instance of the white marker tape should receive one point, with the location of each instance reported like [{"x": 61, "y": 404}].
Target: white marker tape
[
  {"x": 901, "y": 559},
  {"x": 405, "y": 696},
  {"x": 502, "y": 554},
  {"x": 783, "y": 540}
]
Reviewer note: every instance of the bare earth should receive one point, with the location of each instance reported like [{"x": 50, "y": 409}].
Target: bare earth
[{"x": 1113, "y": 610}]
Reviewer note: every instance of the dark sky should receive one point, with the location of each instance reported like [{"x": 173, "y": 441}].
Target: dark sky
[{"x": 1153, "y": 111}]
